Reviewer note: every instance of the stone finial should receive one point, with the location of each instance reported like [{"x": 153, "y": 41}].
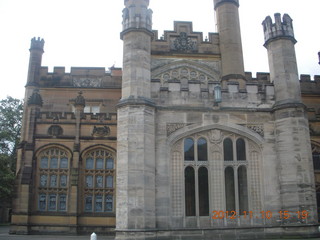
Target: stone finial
[
  {"x": 35, "y": 99},
  {"x": 37, "y": 44},
  {"x": 279, "y": 29},
  {"x": 80, "y": 100},
  {"x": 217, "y": 3},
  {"x": 136, "y": 15}
]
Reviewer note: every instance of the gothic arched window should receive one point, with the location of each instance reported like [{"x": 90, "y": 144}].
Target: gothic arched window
[
  {"x": 99, "y": 174},
  {"x": 241, "y": 149},
  {"x": 228, "y": 149},
  {"x": 236, "y": 186},
  {"x": 188, "y": 149},
  {"x": 202, "y": 150},
  {"x": 196, "y": 177},
  {"x": 53, "y": 179}
]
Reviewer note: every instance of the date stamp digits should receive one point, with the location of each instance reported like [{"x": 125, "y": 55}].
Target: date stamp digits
[{"x": 260, "y": 215}]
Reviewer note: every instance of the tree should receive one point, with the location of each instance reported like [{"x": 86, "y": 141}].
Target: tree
[{"x": 10, "y": 127}]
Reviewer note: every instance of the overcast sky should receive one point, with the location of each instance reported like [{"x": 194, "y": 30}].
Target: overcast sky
[{"x": 85, "y": 33}]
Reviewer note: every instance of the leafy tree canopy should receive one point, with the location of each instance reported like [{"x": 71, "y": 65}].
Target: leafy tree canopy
[{"x": 10, "y": 126}]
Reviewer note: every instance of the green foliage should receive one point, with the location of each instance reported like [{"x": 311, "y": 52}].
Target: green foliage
[{"x": 10, "y": 126}]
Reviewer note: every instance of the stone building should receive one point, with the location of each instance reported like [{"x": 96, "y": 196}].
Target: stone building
[{"x": 180, "y": 142}]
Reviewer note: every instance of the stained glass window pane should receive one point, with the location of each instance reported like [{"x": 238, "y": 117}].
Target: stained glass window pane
[
  {"x": 53, "y": 180},
  {"x": 188, "y": 149},
  {"x": 88, "y": 204},
  {"x": 109, "y": 203},
  {"x": 98, "y": 204},
  {"x": 109, "y": 163},
  {"x": 89, "y": 181},
  {"x": 99, "y": 163},
  {"x": 62, "y": 203},
  {"x": 89, "y": 163},
  {"x": 202, "y": 150},
  {"x": 63, "y": 180},
  {"x": 43, "y": 180},
  {"x": 54, "y": 162},
  {"x": 64, "y": 163},
  {"x": 99, "y": 181},
  {"x": 52, "y": 202},
  {"x": 109, "y": 180},
  {"x": 44, "y": 162},
  {"x": 42, "y": 202}
]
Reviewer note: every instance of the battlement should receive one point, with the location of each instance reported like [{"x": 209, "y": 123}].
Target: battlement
[
  {"x": 83, "y": 77},
  {"x": 279, "y": 29},
  {"x": 37, "y": 44}
]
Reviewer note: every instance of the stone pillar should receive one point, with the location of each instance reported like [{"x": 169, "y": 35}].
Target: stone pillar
[
  {"x": 292, "y": 139},
  {"x": 79, "y": 105},
  {"x": 135, "y": 208},
  {"x": 24, "y": 185},
  {"x": 227, "y": 12}
]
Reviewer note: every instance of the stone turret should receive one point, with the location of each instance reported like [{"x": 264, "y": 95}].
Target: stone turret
[
  {"x": 230, "y": 41},
  {"x": 292, "y": 139},
  {"x": 280, "y": 41},
  {"x": 36, "y": 51},
  {"x": 136, "y": 127},
  {"x": 137, "y": 15}
]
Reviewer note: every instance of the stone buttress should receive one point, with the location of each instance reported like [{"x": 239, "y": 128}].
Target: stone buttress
[{"x": 136, "y": 138}]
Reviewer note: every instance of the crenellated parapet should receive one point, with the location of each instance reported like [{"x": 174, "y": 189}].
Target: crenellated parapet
[
  {"x": 81, "y": 77},
  {"x": 258, "y": 93},
  {"x": 136, "y": 15},
  {"x": 279, "y": 29},
  {"x": 37, "y": 44}
]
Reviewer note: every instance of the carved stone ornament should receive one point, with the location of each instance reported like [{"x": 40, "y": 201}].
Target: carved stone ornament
[
  {"x": 172, "y": 127},
  {"x": 257, "y": 128},
  {"x": 101, "y": 131},
  {"x": 87, "y": 82},
  {"x": 55, "y": 130},
  {"x": 184, "y": 43},
  {"x": 215, "y": 136}
]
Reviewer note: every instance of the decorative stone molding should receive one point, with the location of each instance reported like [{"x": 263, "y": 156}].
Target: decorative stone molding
[
  {"x": 87, "y": 82},
  {"x": 101, "y": 131},
  {"x": 215, "y": 136},
  {"x": 184, "y": 43},
  {"x": 256, "y": 128},
  {"x": 172, "y": 127},
  {"x": 55, "y": 130}
]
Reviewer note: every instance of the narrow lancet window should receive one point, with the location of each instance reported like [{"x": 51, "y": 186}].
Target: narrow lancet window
[
  {"x": 190, "y": 198},
  {"x": 203, "y": 191}
]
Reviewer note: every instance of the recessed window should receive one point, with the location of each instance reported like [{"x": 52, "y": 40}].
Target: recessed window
[
  {"x": 98, "y": 177},
  {"x": 53, "y": 179}
]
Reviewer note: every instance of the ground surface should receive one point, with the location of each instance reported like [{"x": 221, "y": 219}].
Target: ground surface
[{"x": 4, "y": 235}]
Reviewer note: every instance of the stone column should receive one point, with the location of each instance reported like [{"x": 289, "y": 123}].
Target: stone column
[
  {"x": 227, "y": 12},
  {"x": 292, "y": 139},
  {"x": 135, "y": 208}
]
